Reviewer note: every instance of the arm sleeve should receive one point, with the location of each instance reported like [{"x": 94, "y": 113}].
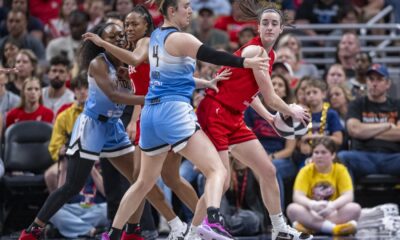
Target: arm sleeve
[{"x": 210, "y": 55}]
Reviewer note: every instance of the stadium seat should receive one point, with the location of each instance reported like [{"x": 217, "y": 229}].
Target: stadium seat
[
  {"x": 26, "y": 157},
  {"x": 376, "y": 189}
]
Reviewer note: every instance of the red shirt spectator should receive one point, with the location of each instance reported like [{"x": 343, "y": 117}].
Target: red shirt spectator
[
  {"x": 18, "y": 115},
  {"x": 31, "y": 107},
  {"x": 44, "y": 9}
]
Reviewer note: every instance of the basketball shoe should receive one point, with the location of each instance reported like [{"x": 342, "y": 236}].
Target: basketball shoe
[
  {"x": 213, "y": 231},
  {"x": 289, "y": 233},
  {"x": 34, "y": 234}
]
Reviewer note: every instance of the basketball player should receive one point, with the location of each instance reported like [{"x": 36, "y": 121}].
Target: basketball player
[{"x": 221, "y": 117}]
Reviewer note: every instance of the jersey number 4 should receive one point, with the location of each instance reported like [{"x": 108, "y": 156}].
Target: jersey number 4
[{"x": 155, "y": 53}]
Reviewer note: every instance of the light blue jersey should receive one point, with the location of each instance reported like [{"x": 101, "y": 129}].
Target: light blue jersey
[
  {"x": 98, "y": 131},
  {"x": 167, "y": 119},
  {"x": 98, "y": 103},
  {"x": 171, "y": 78}
]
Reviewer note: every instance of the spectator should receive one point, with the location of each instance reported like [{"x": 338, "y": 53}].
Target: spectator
[
  {"x": 287, "y": 59},
  {"x": 57, "y": 94},
  {"x": 288, "y": 8},
  {"x": 358, "y": 82},
  {"x": 300, "y": 91},
  {"x": 324, "y": 120},
  {"x": 9, "y": 52},
  {"x": 8, "y": 100},
  {"x": 231, "y": 25},
  {"x": 206, "y": 32},
  {"x": 85, "y": 212},
  {"x": 78, "y": 24},
  {"x": 242, "y": 204},
  {"x": 17, "y": 28},
  {"x": 35, "y": 26},
  {"x": 300, "y": 68},
  {"x": 367, "y": 8},
  {"x": 246, "y": 34},
  {"x": 279, "y": 149},
  {"x": 336, "y": 75},
  {"x": 31, "y": 106},
  {"x": 26, "y": 64},
  {"x": 374, "y": 127},
  {"x": 59, "y": 27},
  {"x": 61, "y": 131},
  {"x": 339, "y": 97},
  {"x": 95, "y": 10},
  {"x": 44, "y": 9},
  {"x": 347, "y": 50},
  {"x": 347, "y": 15},
  {"x": 221, "y": 7},
  {"x": 320, "y": 12},
  {"x": 122, "y": 7},
  {"x": 323, "y": 194}
]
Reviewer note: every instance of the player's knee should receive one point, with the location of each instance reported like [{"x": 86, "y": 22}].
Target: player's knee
[{"x": 171, "y": 180}]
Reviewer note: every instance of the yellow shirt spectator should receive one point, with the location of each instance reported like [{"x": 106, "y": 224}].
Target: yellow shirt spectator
[
  {"x": 323, "y": 186},
  {"x": 62, "y": 129}
]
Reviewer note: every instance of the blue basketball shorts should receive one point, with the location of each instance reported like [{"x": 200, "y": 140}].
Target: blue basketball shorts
[
  {"x": 93, "y": 138},
  {"x": 165, "y": 126}
]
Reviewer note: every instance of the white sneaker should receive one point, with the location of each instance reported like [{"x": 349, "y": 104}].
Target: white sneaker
[
  {"x": 178, "y": 233},
  {"x": 163, "y": 226},
  {"x": 289, "y": 233},
  {"x": 192, "y": 235}
]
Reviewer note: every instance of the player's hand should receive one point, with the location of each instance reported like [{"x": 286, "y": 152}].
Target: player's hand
[
  {"x": 224, "y": 75},
  {"x": 300, "y": 113},
  {"x": 94, "y": 38},
  {"x": 259, "y": 62},
  {"x": 131, "y": 130}
]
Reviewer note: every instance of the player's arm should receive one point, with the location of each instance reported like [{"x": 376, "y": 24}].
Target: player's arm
[
  {"x": 139, "y": 55},
  {"x": 364, "y": 131},
  {"x": 203, "y": 83},
  {"x": 195, "y": 49},
  {"x": 258, "y": 106},
  {"x": 98, "y": 69},
  {"x": 264, "y": 82}
]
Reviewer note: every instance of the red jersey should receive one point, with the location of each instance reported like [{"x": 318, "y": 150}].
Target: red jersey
[
  {"x": 239, "y": 91},
  {"x": 18, "y": 115},
  {"x": 140, "y": 77}
]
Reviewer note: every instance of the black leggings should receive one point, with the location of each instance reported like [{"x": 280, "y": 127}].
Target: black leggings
[{"x": 78, "y": 171}]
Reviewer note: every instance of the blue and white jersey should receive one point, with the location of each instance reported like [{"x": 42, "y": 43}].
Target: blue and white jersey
[
  {"x": 98, "y": 103},
  {"x": 171, "y": 78}
]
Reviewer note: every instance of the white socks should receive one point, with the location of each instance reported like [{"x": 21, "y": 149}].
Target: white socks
[
  {"x": 175, "y": 223},
  {"x": 278, "y": 222},
  {"x": 327, "y": 226}
]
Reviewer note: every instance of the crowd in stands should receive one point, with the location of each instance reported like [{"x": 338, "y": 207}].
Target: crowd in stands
[{"x": 354, "y": 131}]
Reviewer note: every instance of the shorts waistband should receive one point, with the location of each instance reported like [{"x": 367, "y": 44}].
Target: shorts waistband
[
  {"x": 167, "y": 99},
  {"x": 100, "y": 117}
]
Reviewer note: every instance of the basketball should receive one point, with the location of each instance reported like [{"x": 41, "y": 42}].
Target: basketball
[{"x": 287, "y": 127}]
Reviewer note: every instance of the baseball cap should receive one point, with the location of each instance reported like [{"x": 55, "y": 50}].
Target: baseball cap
[
  {"x": 379, "y": 69},
  {"x": 285, "y": 65},
  {"x": 206, "y": 9}
]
